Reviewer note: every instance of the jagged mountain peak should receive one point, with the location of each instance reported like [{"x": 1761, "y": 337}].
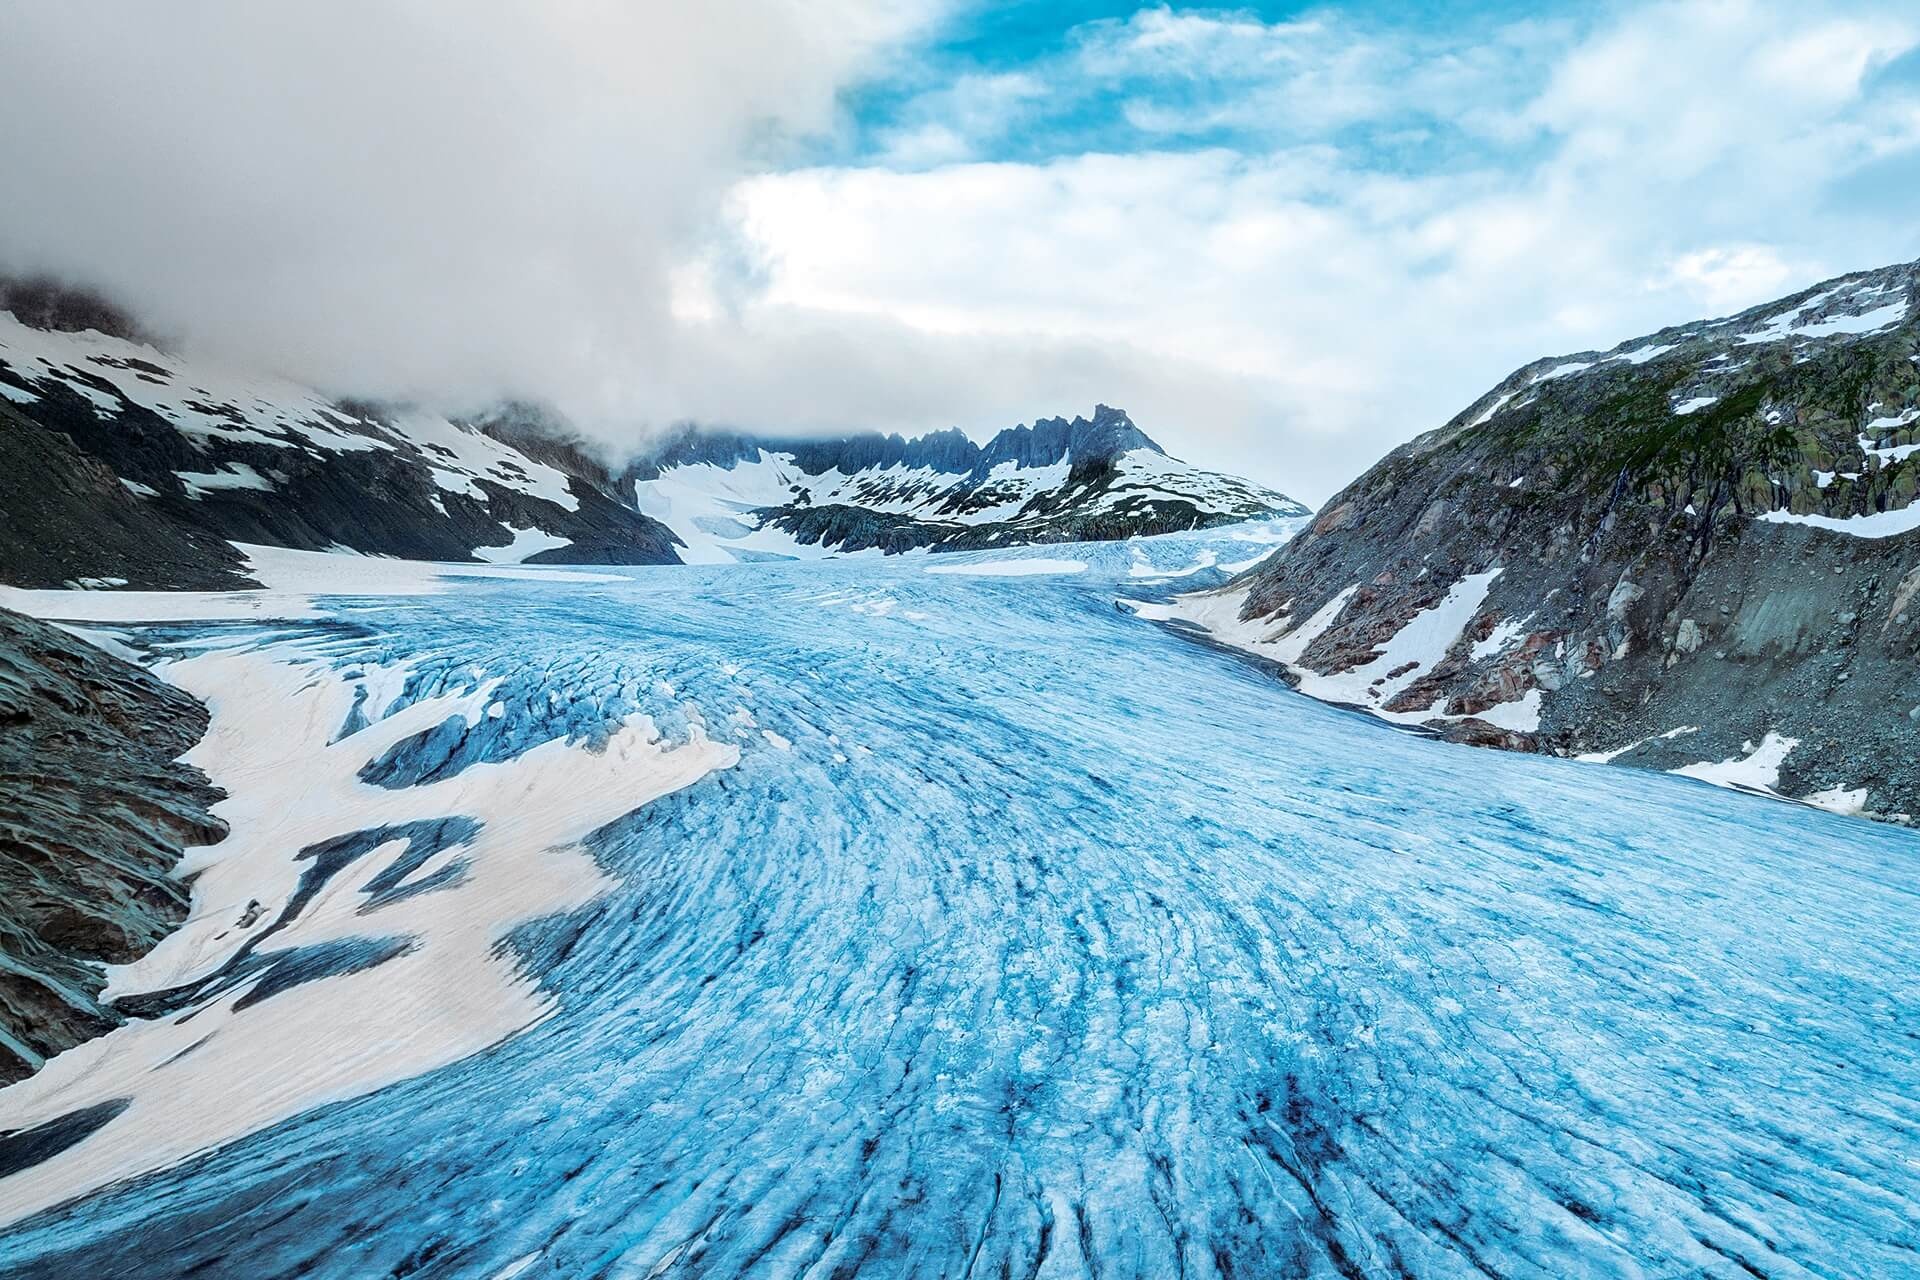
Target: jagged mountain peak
[
  {"x": 1105, "y": 436},
  {"x": 730, "y": 496},
  {"x": 131, "y": 465}
]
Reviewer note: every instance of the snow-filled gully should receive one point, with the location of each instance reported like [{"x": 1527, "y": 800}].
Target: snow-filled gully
[{"x": 847, "y": 918}]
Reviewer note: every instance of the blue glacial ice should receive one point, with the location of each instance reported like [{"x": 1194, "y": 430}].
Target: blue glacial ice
[{"x": 846, "y": 918}]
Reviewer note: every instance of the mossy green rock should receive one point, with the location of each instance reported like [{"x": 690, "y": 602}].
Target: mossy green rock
[{"x": 1728, "y": 481}]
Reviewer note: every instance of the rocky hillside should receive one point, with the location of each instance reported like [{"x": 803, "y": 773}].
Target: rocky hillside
[
  {"x": 126, "y": 465},
  {"x": 1694, "y": 552},
  {"x": 95, "y": 811},
  {"x": 734, "y": 497},
  {"x": 122, "y": 464}
]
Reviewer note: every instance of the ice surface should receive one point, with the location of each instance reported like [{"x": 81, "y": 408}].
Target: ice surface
[
  {"x": 275, "y": 744},
  {"x": 1604, "y": 757},
  {"x": 1890, "y": 453},
  {"x": 1640, "y": 355},
  {"x": 1840, "y": 799},
  {"x": 290, "y": 578},
  {"x": 1504, "y": 633},
  {"x": 1881, "y": 317},
  {"x": 1025, "y": 937},
  {"x": 1023, "y": 568},
  {"x": 1499, "y": 403},
  {"x": 1860, "y": 311},
  {"x": 1402, "y": 658},
  {"x": 712, "y": 509},
  {"x": 234, "y": 475},
  {"x": 1758, "y": 769},
  {"x": 461, "y": 456}
]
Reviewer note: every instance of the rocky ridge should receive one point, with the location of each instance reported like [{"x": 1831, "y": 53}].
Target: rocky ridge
[
  {"x": 201, "y": 455},
  {"x": 743, "y": 497},
  {"x": 1694, "y": 552}
]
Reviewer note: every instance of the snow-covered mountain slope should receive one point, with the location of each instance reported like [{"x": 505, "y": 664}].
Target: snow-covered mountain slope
[
  {"x": 100, "y": 432},
  {"x": 124, "y": 464},
  {"x": 732, "y": 497},
  {"x": 1696, "y": 551},
  {"x": 893, "y": 917}
]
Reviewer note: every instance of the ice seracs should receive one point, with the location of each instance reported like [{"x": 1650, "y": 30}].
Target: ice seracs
[{"x": 392, "y": 982}]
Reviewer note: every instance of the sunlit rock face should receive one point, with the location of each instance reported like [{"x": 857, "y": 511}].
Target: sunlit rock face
[
  {"x": 95, "y": 810},
  {"x": 1697, "y": 551},
  {"x": 905, "y": 917}
]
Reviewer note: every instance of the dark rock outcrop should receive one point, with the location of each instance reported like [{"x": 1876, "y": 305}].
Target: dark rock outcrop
[
  {"x": 95, "y": 810},
  {"x": 1696, "y": 539},
  {"x": 42, "y": 302},
  {"x": 66, "y": 518}
]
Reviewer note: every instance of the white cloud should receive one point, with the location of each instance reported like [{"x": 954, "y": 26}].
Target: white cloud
[
  {"x": 1401, "y": 217},
  {"x": 957, "y": 122},
  {"x": 1191, "y": 73},
  {"x": 434, "y": 196},
  {"x": 1682, "y": 88},
  {"x": 1725, "y": 278},
  {"x": 1668, "y": 168}
]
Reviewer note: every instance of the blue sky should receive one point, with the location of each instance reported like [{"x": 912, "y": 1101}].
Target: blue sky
[
  {"x": 1043, "y": 60},
  {"x": 1284, "y": 238},
  {"x": 1289, "y": 237}
]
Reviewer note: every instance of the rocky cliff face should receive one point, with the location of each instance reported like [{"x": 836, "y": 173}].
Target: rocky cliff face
[
  {"x": 737, "y": 497},
  {"x": 95, "y": 811},
  {"x": 1695, "y": 552}
]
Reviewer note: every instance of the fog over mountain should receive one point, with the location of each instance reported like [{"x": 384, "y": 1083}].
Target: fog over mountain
[{"x": 432, "y": 198}]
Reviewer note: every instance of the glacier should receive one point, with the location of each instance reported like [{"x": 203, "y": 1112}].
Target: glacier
[{"x": 845, "y": 917}]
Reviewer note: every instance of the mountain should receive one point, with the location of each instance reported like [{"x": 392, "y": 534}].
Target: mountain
[
  {"x": 124, "y": 465},
  {"x": 736, "y": 497},
  {"x": 1693, "y": 552}
]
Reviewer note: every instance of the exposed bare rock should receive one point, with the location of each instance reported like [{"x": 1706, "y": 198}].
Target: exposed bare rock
[
  {"x": 1696, "y": 539},
  {"x": 95, "y": 810}
]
